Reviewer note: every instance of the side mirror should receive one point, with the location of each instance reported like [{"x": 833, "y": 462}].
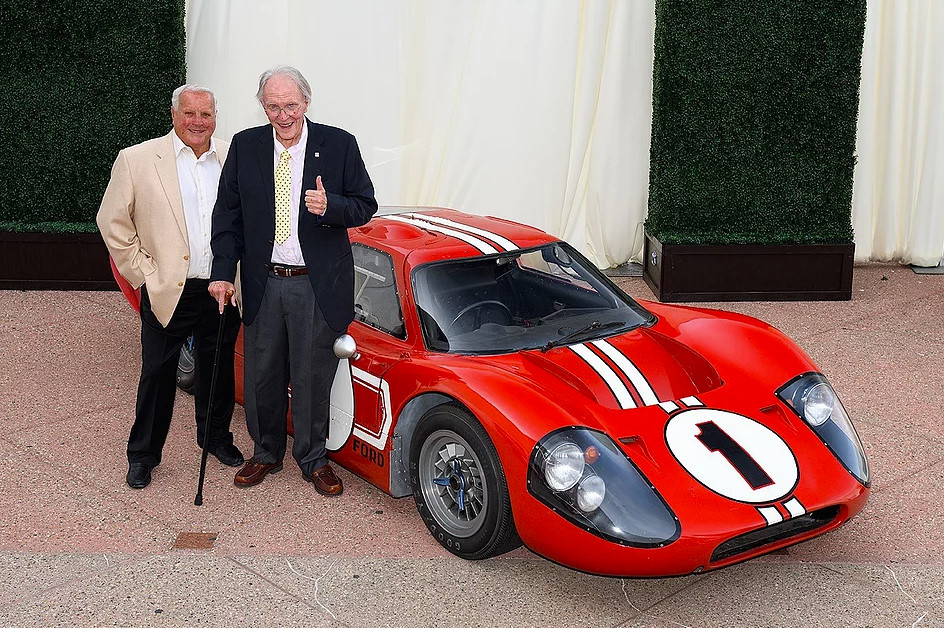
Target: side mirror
[
  {"x": 345, "y": 347},
  {"x": 557, "y": 255}
]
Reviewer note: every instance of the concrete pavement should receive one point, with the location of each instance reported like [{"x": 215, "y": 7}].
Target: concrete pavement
[{"x": 80, "y": 548}]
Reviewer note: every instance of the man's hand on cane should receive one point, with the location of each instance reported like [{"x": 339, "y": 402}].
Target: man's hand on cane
[{"x": 223, "y": 291}]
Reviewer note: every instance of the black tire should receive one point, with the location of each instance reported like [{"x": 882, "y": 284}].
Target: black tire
[
  {"x": 186, "y": 373},
  {"x": 449, "y": 445}
]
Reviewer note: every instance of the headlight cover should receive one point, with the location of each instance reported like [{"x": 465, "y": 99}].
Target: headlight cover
[
  {"x": 812, "y": 399},
  {"x": 610, "y": 498}
]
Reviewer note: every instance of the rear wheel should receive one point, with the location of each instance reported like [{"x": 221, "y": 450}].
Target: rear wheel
[
  {"x": 459, "y": 486},
  {"x": 186, "y": 375}
]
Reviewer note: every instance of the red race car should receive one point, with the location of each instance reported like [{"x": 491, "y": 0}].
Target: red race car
[{"x": 520, "y": 396}]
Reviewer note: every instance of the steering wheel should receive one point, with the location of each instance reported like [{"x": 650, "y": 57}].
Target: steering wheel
[{"x": 476, "y": 311}]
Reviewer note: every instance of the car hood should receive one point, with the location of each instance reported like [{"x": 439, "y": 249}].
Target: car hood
[{"x": 633, "y": 370}]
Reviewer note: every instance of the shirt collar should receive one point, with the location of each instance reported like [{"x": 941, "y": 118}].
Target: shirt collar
[{"x": 179, "y": 145}]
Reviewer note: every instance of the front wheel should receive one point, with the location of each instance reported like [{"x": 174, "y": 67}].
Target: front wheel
[{"x": 459, "y": 486}]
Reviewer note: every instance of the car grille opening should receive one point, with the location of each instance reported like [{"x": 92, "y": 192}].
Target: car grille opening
[{"x": 777, "y": 532}]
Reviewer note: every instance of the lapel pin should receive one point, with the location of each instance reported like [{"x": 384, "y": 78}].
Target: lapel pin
[{"x": 317, "y": 154}]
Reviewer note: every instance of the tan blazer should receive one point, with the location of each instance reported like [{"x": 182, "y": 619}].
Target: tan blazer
[{"x": 142, "y": 221}]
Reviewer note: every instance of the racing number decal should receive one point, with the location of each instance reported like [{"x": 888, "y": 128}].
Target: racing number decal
[
  {"x": 732, "y": 455},
  {"x": 716, "y": 439}
]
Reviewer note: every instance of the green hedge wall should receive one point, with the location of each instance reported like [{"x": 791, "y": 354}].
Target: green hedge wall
[
  {"x": 82, "y": 80},
  {"x": 754, "y": 121}
]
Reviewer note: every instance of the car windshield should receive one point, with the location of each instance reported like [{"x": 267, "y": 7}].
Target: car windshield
[{"x": 532, "y": 299}]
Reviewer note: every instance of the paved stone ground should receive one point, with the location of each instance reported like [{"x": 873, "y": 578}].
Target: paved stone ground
[{"x": 79, "y": 548}]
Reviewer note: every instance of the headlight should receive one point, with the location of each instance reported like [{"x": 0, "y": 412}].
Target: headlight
[
  {"x": 590, "y": 493},
  {"x": 812, "y": 398},
  {"x": 818, "y": 403},
  {"x": 564, "y": 466},
  {"x": 585, "y": 477}
]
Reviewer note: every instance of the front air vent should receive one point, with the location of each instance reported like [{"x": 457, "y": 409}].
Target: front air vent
[{"x": 771, "y": 534}]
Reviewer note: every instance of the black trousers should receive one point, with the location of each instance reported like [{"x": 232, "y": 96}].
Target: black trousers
[{"x": 197, "y": 313}]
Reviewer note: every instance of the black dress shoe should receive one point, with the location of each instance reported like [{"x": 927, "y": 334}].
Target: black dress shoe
[
  {"x": 139, "y": 475},
  {"x": 228, "y": 454}
]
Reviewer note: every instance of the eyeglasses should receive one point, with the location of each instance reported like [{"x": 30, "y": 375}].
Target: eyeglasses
[{"x": 290, "y": 109}]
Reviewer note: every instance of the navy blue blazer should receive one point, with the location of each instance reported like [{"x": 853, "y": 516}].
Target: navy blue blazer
[{"x": 244, "y": 217}]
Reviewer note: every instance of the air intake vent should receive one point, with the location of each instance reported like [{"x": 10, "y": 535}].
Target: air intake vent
[{"x": 777, "y": 532}]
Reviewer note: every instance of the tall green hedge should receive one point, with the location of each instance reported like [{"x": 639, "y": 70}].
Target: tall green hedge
[
  {"x": 754, "y": 121},
  {"x": 82, "y": 79}
]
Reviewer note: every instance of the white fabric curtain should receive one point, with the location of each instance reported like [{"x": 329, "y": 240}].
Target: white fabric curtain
[
  {"x": 540, "y": 111},
  {"x": 898, "y": 193},
  {"x": 529, "y": 110}
]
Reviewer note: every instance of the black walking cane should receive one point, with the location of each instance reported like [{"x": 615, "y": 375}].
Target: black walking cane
[{"x": 198, "y": 500}]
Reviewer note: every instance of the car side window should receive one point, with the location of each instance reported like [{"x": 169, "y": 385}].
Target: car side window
[{"x": 376, "y": 299}]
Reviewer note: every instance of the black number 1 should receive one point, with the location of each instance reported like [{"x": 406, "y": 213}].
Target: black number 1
[{"x": 716, "y": 439}]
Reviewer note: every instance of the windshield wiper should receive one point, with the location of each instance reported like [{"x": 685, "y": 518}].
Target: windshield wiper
[{"x": 595, "y": 326}]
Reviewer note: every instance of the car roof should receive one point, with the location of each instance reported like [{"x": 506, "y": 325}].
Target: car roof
[{"x": 426, "y": 234}]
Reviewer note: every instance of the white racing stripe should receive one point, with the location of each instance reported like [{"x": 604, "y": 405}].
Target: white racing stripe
[
  {"x": 491, "y": 235},
  {"x": 629, "y": 369},
  {"x": 483, "y": 246},
  {"x": 378, "y": 441},
  {"x": 794, "y": 507},
  {"x": 616, "y": 385},
  {"x": 692, "y": 402},
  {"x": 770, "y": 514}
]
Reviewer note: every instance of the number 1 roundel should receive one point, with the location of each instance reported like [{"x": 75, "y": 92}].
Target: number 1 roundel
[{"x": 732, "y": 455}]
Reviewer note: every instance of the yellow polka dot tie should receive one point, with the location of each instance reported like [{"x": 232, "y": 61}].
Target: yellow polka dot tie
[{"x": 283, "y": 198}]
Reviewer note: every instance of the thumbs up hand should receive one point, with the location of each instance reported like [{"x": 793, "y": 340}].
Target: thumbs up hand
[{"x": 317, "y": 200}]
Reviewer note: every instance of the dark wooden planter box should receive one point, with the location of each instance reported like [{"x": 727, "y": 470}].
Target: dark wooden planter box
[
  {"x": 54, "y": 261},
  {"x": 747, "y": 272}
]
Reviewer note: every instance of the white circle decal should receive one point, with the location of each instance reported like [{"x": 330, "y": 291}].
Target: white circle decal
[
  {"x": 732, "y": 455},
  {"x": 341, "y": 416}
]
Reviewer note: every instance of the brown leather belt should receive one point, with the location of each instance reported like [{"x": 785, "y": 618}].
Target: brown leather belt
[{"x": 287, "y": 271}]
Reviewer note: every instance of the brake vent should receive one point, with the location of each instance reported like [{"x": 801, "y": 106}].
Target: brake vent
[{"x": 777, "y": 532}]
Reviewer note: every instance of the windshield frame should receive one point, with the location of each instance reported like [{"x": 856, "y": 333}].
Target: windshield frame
[{"x": 647, "y": 318}]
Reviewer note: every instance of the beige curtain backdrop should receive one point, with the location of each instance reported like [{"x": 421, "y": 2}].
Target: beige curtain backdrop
[
  {"x": 898, "y": 193},
  {"x": 539, "y": 111},
  {"x": 529, "y": 110}
]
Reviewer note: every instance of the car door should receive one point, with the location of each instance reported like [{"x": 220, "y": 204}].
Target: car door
[{"x": 360, "y": 398}]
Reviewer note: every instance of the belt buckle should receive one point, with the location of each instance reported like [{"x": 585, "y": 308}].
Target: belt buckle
[{"x": 284, "y": 271}]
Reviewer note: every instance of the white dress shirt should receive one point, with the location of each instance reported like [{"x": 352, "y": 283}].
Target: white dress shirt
[
  {"x": 290, "y": 251},
  {"x": 199, "y": 181}
]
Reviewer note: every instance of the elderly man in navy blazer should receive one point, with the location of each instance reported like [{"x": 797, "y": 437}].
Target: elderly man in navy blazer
[{"x": 288, "y": 193}]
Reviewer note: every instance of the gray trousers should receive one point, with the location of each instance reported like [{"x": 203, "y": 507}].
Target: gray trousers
[{"x": 289, "y": 341}]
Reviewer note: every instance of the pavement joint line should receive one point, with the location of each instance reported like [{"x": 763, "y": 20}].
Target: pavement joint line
[
  {"x": 38, "y": 592},
  {"x": 302, "y": 599},
  {"x": 645, "y": 612}
]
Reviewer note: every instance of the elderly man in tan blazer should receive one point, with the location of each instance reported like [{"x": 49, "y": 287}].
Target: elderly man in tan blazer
[{"x": 155, "y": 219}]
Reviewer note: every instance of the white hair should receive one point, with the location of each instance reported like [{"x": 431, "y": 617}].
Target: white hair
[
  {"x": 290, "y": 72},
  {"x": 196, "y": 89}
]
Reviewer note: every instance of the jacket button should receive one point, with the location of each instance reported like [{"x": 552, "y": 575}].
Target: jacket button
[
  {"x": 180, "y": 283},
  {"x": 186, "y": 257}
]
